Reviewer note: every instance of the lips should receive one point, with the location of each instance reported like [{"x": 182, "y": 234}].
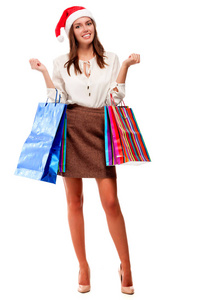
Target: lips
[{"x": 86, "y": 35}]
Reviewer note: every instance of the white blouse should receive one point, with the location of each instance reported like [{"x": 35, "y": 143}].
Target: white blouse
[{"x": 92, "y": 90}]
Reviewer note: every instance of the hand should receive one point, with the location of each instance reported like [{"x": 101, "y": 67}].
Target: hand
[
  {"x": 37, "y": 65},
  {"x": 132, "y": 60}
]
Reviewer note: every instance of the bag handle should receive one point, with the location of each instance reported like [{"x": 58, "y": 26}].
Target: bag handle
[
  {"x": 55, "y": 98},
  {"x": 113, "y": 101}
]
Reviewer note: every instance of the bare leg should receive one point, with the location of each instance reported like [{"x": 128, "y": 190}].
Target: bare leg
[
  {"x": 108, "y": 194},
  {"x": 74, "y": 193}
]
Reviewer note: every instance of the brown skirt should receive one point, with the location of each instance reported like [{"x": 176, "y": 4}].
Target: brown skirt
[{"x": 85, "y": 154}]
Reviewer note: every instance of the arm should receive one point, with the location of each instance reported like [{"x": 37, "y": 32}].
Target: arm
[
  {"x": 48, "y": 81},
  {"x": 133, "y": 59},
  {"x": 52, "y": 84},
  {"x": 37, "y": 65}
]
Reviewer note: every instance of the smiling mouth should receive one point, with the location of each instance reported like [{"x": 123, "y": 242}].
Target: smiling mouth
[{"x": 86, "y": 35}]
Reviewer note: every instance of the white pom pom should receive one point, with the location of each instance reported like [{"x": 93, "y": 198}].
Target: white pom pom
[{"x": 60, "y": 38}]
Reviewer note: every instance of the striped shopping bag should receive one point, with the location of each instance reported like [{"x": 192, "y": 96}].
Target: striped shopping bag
[{"x": 123, "y": 139}]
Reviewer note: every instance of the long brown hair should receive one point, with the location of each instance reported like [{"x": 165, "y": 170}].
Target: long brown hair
[{"x": 73, "y": 54}]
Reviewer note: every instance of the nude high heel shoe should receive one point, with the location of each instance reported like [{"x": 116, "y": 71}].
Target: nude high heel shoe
[
  {"x": 84, "y": 288},
  {"x": 129, "y": 290}
]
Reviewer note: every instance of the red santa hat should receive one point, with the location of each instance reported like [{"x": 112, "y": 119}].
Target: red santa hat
[{"x": 68, "y": 17}]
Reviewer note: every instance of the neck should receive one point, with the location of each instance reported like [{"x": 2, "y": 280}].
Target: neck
[{"x": 85, "y": 52}]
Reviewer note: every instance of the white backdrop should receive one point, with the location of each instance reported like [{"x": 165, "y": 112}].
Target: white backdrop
[{"x": 160, "y": 200}]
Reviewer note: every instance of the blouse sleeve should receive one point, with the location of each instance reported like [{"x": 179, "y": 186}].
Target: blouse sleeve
[
  {"x": 120, "y": 94},
  {"x": 59, "y": 85}
]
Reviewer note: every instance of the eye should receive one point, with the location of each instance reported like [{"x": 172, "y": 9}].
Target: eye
[
  {"x": 90, "y": 23},
  {"x": 77, "y": 26}
]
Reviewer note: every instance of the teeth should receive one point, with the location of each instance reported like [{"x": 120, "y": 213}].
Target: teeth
[{"x": 86, "y": 35}]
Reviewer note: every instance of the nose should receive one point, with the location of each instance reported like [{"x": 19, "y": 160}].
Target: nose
[{"x": 85, "y": 28}]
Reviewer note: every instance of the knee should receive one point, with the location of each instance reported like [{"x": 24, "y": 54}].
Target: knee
[
  {"x": 111, "y": 205},
  {"x": 74, "y": 202}
]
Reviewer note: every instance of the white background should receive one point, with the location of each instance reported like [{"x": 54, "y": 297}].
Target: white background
[{"x": 160, "y": 200}]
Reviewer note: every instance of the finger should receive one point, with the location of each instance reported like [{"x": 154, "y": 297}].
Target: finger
[
  {"x": 31, "y": 61},
  {"x": 34, "y": 60},
  {"x": 33, "y": 65},
  {"x": 136, "y": 58},
  {"x": 132, "y": 58}
]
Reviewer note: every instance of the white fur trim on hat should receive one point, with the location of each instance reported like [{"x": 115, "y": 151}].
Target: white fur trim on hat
[{"x": 76, "y": 15}]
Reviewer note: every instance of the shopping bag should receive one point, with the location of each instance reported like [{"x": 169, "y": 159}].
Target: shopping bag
[
  {"x": 63, "y": 149},
  {"x": 40, "y": 155},
  {"x": 123, "y": 139}
]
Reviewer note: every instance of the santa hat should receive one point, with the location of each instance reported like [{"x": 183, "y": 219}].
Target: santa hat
[{"x": 68, "y": 17}]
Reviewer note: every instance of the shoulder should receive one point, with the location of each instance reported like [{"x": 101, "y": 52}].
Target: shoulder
[
  {"x": 61, "y": 60},
  {"x": 111, "y": 57}
]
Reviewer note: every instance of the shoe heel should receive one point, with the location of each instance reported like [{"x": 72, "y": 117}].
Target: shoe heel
[
  {"x": 129, "y": 290},
  {"x": 84, "y": 288}
]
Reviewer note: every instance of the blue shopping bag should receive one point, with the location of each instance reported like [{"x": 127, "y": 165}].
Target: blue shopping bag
[{"x": 40, "y": 154}]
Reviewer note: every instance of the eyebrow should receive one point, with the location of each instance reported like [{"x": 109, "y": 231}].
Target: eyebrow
[{"x": 82, "y": 23}]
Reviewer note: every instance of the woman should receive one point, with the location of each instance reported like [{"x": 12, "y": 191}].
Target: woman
[{"x": 85, "y": 78}]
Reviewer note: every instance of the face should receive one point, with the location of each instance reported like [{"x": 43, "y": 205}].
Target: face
[{"x": 84, "y": 30}]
